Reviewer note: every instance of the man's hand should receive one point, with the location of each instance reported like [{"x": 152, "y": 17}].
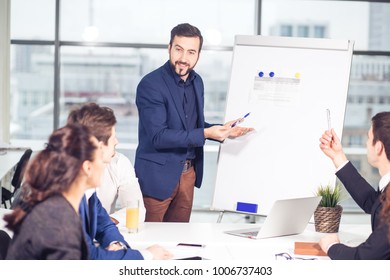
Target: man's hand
[
  {"x": 327, "y": 240},
  {"x": 115, "y": 246},
  {"x": 331, "y": 146},
  {"x": 217, "y": 132},
  {"x": 159, "y": 253},
  {"x": 221, "y": 132}
]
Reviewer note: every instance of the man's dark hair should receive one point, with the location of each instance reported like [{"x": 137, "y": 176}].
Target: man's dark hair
[
  {"x": 381, "y": 130},
  {"x": 98, "y": 119},
  {"x": 186, "y": 30}
]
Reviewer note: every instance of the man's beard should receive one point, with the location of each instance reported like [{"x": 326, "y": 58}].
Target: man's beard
[{"x": 181, "y": 72}]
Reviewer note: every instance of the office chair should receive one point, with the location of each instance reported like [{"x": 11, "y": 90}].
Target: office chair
[
  {"x": 7, "y": 195},
  {"x": 5, "y": 239}
]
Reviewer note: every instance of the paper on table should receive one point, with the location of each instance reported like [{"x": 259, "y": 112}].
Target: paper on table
[{"x": 181, "y": 252}]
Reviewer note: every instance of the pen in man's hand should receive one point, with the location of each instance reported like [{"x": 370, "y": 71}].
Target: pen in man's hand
[
  {"x": 329, "y": 123},
  {"x": 240, "y": 120},
  {"x": 328, "y": 118}
]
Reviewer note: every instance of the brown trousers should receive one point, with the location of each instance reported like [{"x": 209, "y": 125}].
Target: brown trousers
[{"x": 176, "y": 208}]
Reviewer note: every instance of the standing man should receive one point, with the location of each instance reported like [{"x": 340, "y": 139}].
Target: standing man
[
  {"x": 172, "y": 130},
  {"x": 377, "y": 246}
]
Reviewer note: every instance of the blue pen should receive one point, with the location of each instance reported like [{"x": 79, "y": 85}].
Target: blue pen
[{"x": 240, "y": 120}]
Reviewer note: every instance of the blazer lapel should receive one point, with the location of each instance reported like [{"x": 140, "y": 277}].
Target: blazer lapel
[
  {"x": 173, "y": 90},
  {"x": 92, "y": 201},
  {"x": 199, "y": 102},
  {"x": 376, "y": 209},
  {"x": 84, "y": 214}
]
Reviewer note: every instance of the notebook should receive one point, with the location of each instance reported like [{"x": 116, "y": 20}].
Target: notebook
[{"x": 286, "y": 217}]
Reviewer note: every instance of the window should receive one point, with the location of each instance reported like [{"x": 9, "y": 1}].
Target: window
[
  {"x": 31, "y": 91},
  {"x": 319, "y": 32},
  {"x": 105, "y": 47},
  {"x": 286, "y": 30},
  {"x": 150, "y": 22},
  {"x": 134, "y": 44},
  {"x": 303, "y": 31},
  {"x": 37, "y": 25}
]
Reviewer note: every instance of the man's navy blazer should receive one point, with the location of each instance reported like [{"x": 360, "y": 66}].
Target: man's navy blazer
[
  {"x": 163, "y": 137},
  {"x": 377, "y": 246},
  {"x": 98, "y": 226}
]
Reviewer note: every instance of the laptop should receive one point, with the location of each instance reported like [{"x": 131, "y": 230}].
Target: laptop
[{"x": 286, "y": 217}]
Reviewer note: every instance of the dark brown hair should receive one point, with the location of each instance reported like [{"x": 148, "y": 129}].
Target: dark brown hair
[
  {"x": 98, "y": 119},
  {"x": 186, "y": 30},
  {"x": 381, "y": 130},
  {"x": 54, "y": 169}
]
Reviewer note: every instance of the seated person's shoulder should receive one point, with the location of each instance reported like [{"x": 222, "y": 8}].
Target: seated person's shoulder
[
  {"x": 120, "y": 167},
  {"x": 55, "y": 215},
  {"x": 121, "y": 159}
]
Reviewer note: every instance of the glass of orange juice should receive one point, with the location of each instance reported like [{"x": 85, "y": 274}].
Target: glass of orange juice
[{"x": 132, "y": 214}]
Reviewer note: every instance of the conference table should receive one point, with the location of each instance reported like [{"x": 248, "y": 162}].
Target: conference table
[{"x": 217, "y": 245}]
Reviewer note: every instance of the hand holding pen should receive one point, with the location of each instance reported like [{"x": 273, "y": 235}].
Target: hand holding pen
[
  {"x": 239, "y": 120},
  {"x": 330, "y": 145},
  {"x": 236, "y": 130},
  {"x": 327, "y": 137},
  {"x": 329, "y": 124}
]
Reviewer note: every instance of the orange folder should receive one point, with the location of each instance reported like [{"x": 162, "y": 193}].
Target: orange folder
[{"x": 308, "y": 248}]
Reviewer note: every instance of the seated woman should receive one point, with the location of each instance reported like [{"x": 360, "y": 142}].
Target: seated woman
[{"x": 46, "y": 223}]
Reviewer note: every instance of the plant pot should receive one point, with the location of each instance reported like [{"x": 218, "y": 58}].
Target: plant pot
[{"x": 327, "y": 219}]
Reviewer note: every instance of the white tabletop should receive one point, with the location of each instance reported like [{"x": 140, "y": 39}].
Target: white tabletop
[{"x": 222, "y": 246}]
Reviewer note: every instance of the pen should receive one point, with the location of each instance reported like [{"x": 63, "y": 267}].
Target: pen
[
  {"x": 328, "y": 118},
  {"x": 329, "y": 124},
  {"x": 240, "y": 120},
  {"x": 191, "y": 245}
]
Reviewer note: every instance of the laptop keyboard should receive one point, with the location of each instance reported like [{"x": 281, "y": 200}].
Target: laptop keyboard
[{"x": 251, "y": 233}]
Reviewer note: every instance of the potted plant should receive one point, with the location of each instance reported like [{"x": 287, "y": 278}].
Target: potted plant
[{"x": 328, "y": 213}]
